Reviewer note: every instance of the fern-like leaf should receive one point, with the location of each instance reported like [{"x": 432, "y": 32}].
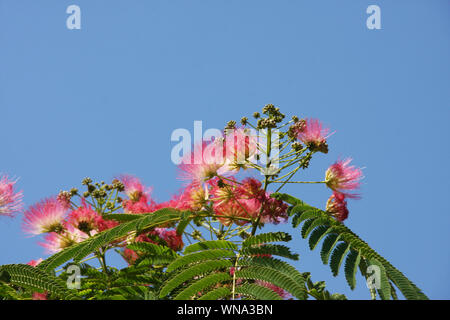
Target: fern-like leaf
[
  {"x": 29, "y": 277},
  {"x": 337, "y": 257},
  {"x": 202, "y": 284},
  {"x": 257, "y": 292},
  {"x": 351, "y": 267},
  {"x": 266, "y": 237},
  {"x": 274, "y": 277},
  {"x": 216, "y": 294},
  {"x": 190, "y": 273},
  {"x": 212, "y": 244},
  {"x": 198, "y": 257}
]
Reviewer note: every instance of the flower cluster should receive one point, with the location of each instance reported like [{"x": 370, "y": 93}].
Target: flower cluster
[
  {"x": 221, "y": 193},
  {"x": 63, "y": 225},
  {"x": 10, "y": 200},
  {"x": 342, "y": 178}
]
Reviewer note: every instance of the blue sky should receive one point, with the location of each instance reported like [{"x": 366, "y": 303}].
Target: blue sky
[{"x": 105, "y": 99}]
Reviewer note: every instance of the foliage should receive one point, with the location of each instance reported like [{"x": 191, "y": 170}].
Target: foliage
[{"x": 221, "y": 216}]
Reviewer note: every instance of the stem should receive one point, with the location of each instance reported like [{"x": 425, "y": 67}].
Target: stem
[
  {"x": 266, "y": 179},
  {"x": 299, "y": 181},
  {"x": 234, "y": 277}
]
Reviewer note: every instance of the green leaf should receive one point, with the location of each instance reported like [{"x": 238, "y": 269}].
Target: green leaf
[
  {"x": 338, "y": 256},
  {"x": 257, "y": 292},
  {"x": 351, "y": 266},
  {"x": 275, "y": 264},
  {"x": 151, "y": 248},
  {"x": 186, "y": 217},
  {"x": 274, "y": 277},
  {"x": 319, "y": 222},
  {"x": 212, "y": 244},
  {"x": 216, "y": 294},
  {"x": 26, "y": 276},
  {"x": 272, "y": 249},
  {"x": 202, "y": 284},
  {"x": 306, "y": 226},
  {"x": 318, "y": 235},
  {"x": 121, "y": 217},
  {"x": 328, "y": 244},
  {"x": 190, "y": 273},
  {"x": 199, "y": 256},
  {"x": 286, "y": 198},
  {"x": 303, "y": 212},
  {"x": 266, "y": 237}
]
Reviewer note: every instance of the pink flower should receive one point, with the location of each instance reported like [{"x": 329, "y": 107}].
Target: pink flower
[
  {"x": 84, "y": 219},
  {"x": 141, "y": 206},
  {"x": 248, "y": 197},
  {"x": 231, "y": 210},
  {"x": 206, "y": 162},
  {"x": 134, "y": 189},
  {"x": 313, "y": 135},
  {"x": 337, "y": 206},
  {"x": 55, "y": 242},
  {"x": 45, "y": 216},
  {"x": 240, "y": 146},
  {"x": 172, "y": 239},
  {"x": 103, "y": 224},
  {"x": 129, "y": 255},
  {"x": 39, "y": 296},
  {"x": 64, "y": 198},
  {"x": 193, "y": 197},
  {"x": 342, "y": 177},
  {"x": 10, "y": 201},
  {"x": 139, "y": 196},
  {"x": 251, "y": 188},
  {"x": 274, "y": 211},
  {"x": 34, "y": 263},
  {"x": 224, "y": 191}
]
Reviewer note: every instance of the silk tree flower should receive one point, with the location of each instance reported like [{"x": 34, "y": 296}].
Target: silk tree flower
[
  {"x": 312, "y": 133},
  {"x": 337, "y": 206},
  {"x": 239, "y": 148},
  {"x": 10, "y": 201},
  {"x": 55, "y": 242},
  {"x": 84, "y": 219},
  {"x": 172, "y": 238},
  {"x": 44, "y": 216},
  {"x": 134, "y": 189},
  {"x": 342, "y": 177},
  {"x": 193, "y": 197},
  {"x": 274, "y": 211},
  {"x": 64, "y": 198},
  {"x": 222, "y": 192},
  {"x": 229, "y": 212},
  {"x": 139, "y": 196},
  {"x": 34, "y": 263},
  {"x": 206, "y": 162},
  {"x": 129, "y": 255},
  {"x": 251, "y": 188}
]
